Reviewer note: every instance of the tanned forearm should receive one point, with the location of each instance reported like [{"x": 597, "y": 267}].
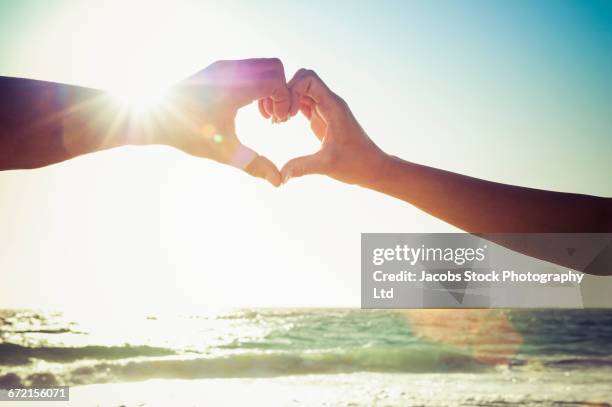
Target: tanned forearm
[
  {"x": 515, "y": 217},
  {"x": 479, "y": 206},
  {"x": 498, "y": 212}
]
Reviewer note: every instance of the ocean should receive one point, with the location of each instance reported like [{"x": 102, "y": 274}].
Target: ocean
[{"x": 350, "y": 357}]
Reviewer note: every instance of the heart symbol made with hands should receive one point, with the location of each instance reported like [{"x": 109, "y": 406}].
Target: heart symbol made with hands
[{"x": 205, "y": 107}]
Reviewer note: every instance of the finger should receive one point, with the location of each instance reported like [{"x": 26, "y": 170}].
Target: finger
[
  {"x": 269, "y": 77},
  {"x": 248, "y": 160},
  {"x": 306, "y": 111},
  {"x": 274, "y": 77},
  {"x": 295, "y": 103},
  {"x": 262, "y": 108},
  {"x": 306, "y": 105},
  {"x": 277, "y": 96},
  {"x": 281, "y": 104},
  {"x": 307, "y": 100},
  {"x": 252, "y": 79},
  {"x": 242, "y": 69},
  {"x": 268, "y": 107},
  {"x": 307, "y": 84},
  {"x": 308, "y": 164},
  {"x": 243, "y": 73},
  {"x": 261, "y": 167}
]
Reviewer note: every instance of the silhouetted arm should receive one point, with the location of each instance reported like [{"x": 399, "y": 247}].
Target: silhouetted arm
[
  {"x": 480, "y": 206},
  {"x": 43, "y": 123},
  {"x": 474, "y": 205}
]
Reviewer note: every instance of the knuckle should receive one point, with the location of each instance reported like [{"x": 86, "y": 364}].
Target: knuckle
[
  {"x": 275, "y": 62},
  {"x": 311, "y": 74},
  {"x": 222, "y": 63},
  {"x": 340, "y": 101},
  {"x": 306, "y": 73},
  {"x": 279, "y": 94}
]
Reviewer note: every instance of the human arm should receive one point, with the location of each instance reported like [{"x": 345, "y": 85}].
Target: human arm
[
  {"x": 43, "y": 123},
  {"x": 474, "y": 205}
]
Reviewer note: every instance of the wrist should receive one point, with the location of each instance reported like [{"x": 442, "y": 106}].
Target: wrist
[
  {"x": 187, "y": 112},
  {"x": 379, "y": 169},
  {"x": 126, "y": 126},
  {"x": 159, "y": 127},
  {"x": 134, "y": 132}
]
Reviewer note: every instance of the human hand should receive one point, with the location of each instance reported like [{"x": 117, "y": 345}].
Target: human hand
[
  {"x": 347, "y": 153},
  {"x": 204, "y": 108}
]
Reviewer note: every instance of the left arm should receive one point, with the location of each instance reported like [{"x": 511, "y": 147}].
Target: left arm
[{"x": 43, "y": 123}]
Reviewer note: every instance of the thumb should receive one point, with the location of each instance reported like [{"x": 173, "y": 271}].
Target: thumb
[
  {"x": 261, "y": 167},
  {"x": 305, "y": 165},
  {"x": 254, "y": 164}
]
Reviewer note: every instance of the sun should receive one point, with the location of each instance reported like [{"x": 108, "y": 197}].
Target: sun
[{"x": 140, "y": 99}]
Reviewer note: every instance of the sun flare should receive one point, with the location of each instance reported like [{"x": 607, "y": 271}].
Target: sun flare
[{"x": 140, "y": 99}]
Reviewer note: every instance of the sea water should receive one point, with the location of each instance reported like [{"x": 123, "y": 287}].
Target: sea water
[{"x": 542, "y": 357}]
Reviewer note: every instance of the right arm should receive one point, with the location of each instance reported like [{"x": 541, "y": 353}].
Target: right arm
[{"x": 474, "y": 205}]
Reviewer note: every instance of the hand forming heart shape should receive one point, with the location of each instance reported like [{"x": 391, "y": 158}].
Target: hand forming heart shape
[{"x": 206, "y": 104}]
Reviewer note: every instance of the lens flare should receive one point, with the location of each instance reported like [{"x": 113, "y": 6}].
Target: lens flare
[{"x": 140, "y": 99}]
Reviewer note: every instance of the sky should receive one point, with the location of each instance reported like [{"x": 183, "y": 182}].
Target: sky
[{"x": 515, "y": 92}]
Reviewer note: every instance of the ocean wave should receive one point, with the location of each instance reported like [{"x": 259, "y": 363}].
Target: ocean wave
[
  {"x": 13, "y": 354},
  {"x": 47, "y": 331},
  {"x": 283, "y": 313},
  {"x": 580, "y": 362},
  {"x": 242, "y": 365},
  {"x": 282, "y": 342},
  {"x": 89, "y": 365}
]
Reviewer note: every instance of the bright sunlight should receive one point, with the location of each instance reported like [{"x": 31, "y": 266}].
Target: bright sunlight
[{"x": 140, "y": 99}]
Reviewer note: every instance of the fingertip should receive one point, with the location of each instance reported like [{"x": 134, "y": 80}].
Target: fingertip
[
  {"x": 275, "y": 180},
  {"x": 262, "y": 109},
  {"x": 295, "y": 108},
  {"x": 268, "y": 107},
  {"x": 281, "y": 109},
  {"x": 306, "y": 111}
]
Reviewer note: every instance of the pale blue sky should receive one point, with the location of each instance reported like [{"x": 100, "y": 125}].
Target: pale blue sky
[{"x": 516, "y": 92}]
